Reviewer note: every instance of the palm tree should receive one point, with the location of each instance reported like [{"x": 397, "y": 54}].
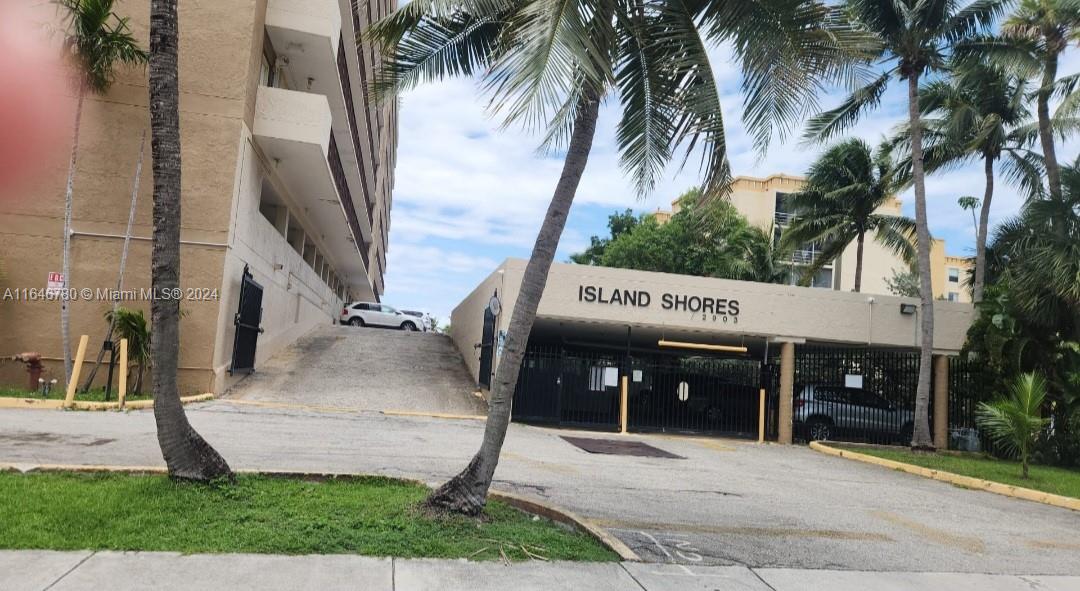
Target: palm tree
[
  {"x": 979, "y": 113},
  {"x": 911, "y": 40},
  {"x": 187, "y": 455},
  {"x": 131, "y": 325},
  {"x": 1030, "y": 43},
  {"x": 548, "y": 63},
  {"x": 1015, "y": 421},
  {"x": 98, "y": 40},
  {"x": 844, "y": 190}
]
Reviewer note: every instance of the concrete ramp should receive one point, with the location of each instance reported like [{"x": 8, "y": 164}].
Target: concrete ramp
[{"x": 366, "y": 369}]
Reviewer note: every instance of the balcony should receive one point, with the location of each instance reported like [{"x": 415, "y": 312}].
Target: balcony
[
  {"x": 784, "y": 218},
  {"x": 294, "y": 131},
  {"x": 307, "y": 37}
]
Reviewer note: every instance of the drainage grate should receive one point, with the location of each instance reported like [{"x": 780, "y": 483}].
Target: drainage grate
[{"x": 620, "y": 448}]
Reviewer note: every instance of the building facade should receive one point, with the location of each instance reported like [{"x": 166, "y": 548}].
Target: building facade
[
  {"x": 762, "y": 202},
  {"x": 699, "y": 354},
  {"x": 287, "y": 173}
]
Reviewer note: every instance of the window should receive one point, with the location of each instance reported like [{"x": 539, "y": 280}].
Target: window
[
  {"x": 954, "y": 275},
  {"x": 388, "y": 310},
  {"x": 362, "y": 307},
  {"x": 954, "y": 296}
]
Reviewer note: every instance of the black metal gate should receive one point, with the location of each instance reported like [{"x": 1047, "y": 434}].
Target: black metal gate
[
  {"x": 684, "y": 394},
  {"x": 247, "y": 320},
  {"x": 487, "y": 349}
]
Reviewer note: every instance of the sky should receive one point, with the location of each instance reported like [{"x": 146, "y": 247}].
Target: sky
[{"x": 469, "y": 194}]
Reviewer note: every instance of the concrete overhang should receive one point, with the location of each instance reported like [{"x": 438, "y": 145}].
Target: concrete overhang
[
  {"x": 671, "y": 305},
  {"x": 308, "y": 34},
  {"x": 292, "y": 129}
]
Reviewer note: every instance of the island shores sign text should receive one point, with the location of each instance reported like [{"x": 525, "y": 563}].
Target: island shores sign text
[{"x": 718, "y": 309}]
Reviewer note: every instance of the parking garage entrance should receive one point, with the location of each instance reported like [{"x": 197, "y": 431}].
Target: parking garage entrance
[{"x": 578, "y": 387}]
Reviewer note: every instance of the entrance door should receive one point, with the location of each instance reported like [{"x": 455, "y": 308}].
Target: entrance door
[
  {"x": 487, "y": 349},
  {"x": 247, "y": 319}
]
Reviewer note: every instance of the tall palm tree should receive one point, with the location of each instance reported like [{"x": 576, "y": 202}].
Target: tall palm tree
[
  {"x": 844, "y": 190},
  {"x": 979, "y": 113},
  {"x": 912, "y": 37},
  {"x": 1030, "y": 43},
  {"x": 187, "y": 455},
  {"x": 98, "y": 41},
  {"x": 548, "y": 63}
]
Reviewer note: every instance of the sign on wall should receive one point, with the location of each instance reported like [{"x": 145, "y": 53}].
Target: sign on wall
[
  {"x": 55, "y": 284},
  {"x": 708, "y": 307}
]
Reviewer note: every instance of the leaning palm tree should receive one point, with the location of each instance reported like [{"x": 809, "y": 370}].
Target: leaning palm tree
[
  {"x": 839, "y": 205},
  {"x": 187, "y": 455},
  {"x": 547, "y": 64},
  {"x": 1015, "y": 421},
  {"x": 912, "y": 39},
  {"x": 98, "y": 41},
  {"x": 979, "y": 113}
]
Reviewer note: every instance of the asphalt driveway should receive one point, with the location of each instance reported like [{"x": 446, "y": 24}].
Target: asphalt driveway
[{"x": 724, "y": 502}]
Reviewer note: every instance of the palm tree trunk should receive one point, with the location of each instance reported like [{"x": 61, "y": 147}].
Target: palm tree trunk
[
  {"x": 860, "y": 241},
  {"x": 984, "y": 222},
  {"x": 467, "y": 492},
  {"x": 187, "y": 455},
  {"x": 1046, "y": 135},
  {"x": 65, "y": 312},
  {"x": 921, "y": 438}
]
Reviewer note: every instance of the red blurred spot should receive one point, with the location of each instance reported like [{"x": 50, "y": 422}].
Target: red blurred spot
[{"x": 36, "y": 102}]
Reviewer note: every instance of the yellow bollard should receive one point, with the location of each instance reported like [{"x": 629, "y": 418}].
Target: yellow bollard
[
  {"x": 121, "y": 386},
  {"x": 761, "y": 416},
  {"x": 624, "y": 395},
  {"x": 76, "y": 369}
]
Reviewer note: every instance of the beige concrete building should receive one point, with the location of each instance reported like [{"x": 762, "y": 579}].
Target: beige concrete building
[
  {"x": 605, "y": 321},
  {"x": 288, "y": 170},
  {"x": 761, "y": 200}
]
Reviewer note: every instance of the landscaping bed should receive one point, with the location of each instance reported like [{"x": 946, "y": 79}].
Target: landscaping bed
[
  {"x": 260, "y": 514},
  {"x": 1058, "y": 481}
]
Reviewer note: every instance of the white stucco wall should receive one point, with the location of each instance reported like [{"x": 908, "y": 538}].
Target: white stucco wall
[{"x": 295, "y": 299}]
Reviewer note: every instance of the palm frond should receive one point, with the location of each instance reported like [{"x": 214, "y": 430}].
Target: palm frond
[{"x": 824, "y": 126}]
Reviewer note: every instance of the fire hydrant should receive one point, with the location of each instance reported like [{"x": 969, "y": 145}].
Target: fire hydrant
[{"x": 33, "y": 367}]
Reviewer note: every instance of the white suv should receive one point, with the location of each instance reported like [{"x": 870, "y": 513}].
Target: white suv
[{"x": 375, "y": 314}]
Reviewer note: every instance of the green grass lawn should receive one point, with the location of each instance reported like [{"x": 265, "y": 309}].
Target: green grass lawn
[
  {"x": 371, "y": 516},
  {"x": 58, "y": 393},
  {"x": 1059, "y": 481}
]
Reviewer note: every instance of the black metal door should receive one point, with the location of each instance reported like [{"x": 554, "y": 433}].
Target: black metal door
[
  {"x": 487, "y": 349},
  {"x": 247, "y": 319}
]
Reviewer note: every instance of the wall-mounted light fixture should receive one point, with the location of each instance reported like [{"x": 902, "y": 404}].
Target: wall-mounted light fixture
[{"x": 908, "y": 309}]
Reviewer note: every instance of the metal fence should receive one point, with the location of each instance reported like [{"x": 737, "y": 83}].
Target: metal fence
[
  {"x": 685, "y": 394},
  {"x": 855, "y": 394},
  {"x": 840, "y": 393}
]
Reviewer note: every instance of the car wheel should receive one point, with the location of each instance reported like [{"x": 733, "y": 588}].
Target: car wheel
[
  {"x": 408, "y": 326},
  {"x": 819, "y": 430},
  {"x": 356, "y": 321}
]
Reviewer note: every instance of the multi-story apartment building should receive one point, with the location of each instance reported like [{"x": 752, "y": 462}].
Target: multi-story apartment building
[
  {"x": 288, "y": 169},
  {"x": 763, "y": 203}
]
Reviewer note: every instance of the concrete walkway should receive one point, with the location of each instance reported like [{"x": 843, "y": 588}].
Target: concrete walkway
[{"x": 32, "y": 570}]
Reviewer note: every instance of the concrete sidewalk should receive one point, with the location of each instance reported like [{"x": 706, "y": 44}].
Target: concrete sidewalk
[{"x": 33, "y": 570}]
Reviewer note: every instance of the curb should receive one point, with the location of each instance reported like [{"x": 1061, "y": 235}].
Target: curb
[
  {"x": 1007, "y": 490},
  {"x": 520, "y": 502},
  {"x": 530, "y": 505},
  {"x": 39, "y": 404}
]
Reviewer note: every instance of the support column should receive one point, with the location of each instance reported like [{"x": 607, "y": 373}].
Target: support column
[
  {"x": 941, "y": 402},
  {"x": 787, "y": 392}
]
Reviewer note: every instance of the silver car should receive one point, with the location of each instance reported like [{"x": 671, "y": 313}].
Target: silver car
[
  {"x": 376, "y": 314},
  {"x": 824, "y": 412}
]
